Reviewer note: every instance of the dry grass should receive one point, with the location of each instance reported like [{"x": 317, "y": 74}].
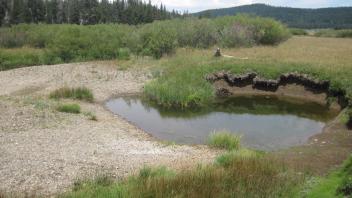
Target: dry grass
[{"x": 325, "y": 52}]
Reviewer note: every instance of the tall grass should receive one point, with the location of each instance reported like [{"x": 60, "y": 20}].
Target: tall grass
[
  {"x": 224, "y": 140},
  {"x": 243, "y": 177},
  {"x": 346, "y": 33},
  {"x": 69, "y": 108},
  {"x": 183, "y": 81},
  {"x": 80, "y": 93},
  {"x": 69, "y": 43}
]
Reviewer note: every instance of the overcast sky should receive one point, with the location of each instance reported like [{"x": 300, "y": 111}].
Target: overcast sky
[{"x": 198, "y": 5}]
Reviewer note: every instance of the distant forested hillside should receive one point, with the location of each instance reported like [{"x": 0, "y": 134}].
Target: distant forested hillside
[
  {"x": 81, "y": 11},
  {"x": 294, "y": 17}
]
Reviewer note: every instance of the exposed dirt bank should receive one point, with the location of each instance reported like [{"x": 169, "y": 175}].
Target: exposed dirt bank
[
  {"x": 293, "y": 85},
  {"x": 322, "y": 152},
  {"x": 43, "y": 151}
]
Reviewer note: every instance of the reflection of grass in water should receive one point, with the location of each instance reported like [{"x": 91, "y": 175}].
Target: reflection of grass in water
[{"x": 256, "y": 105}]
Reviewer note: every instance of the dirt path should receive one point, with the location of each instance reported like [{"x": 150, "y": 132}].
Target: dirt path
[{"x": 43, "y": 152}]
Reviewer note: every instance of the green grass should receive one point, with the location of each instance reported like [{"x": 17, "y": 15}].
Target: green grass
[
  {"x": 227, "y": 159},
  {"x": 69, "y": 108},
  {"x": 183, "y": 81},
  {"x": 52, "y": 44},
  {"x": 91, "y": 116},
  {"x": 243, "y": 177},
  {"x": 345, "y": 33},
  {"x": 80, "y": 93},
  {"x": 224, "y": 140},
  {"x": 336, "y": 184}
]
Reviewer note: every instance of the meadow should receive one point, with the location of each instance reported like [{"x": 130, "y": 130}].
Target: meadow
[
  {"x": 25, "y": 45},
  {"x": 182, "y": 55}
]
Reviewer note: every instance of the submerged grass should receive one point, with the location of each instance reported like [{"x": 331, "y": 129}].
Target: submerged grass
[
  {"x": 80, "y": 93},
  {"x": 242, "y": 177},
  {"x": 224, "y": 140}
]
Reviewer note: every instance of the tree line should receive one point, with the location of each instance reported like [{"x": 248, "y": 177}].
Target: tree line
[
  {"x": 84, "y": 12},
  {"x": 338, "y": 18}
]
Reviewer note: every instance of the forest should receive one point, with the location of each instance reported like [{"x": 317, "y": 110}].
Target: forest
[
  {"x": 338, "y": 18},
  {"x": 81, "y": 12}
]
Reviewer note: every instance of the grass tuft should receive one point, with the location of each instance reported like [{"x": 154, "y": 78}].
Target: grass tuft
[
  {"x": 243, "y": 177},
  {"x": 224, "y": 140},
  {"x": 227, "y": 159},
  {"x": 69, "y": 108},
  {"x": 80, "y": 93},
  {"x": 91, "y": 116}
]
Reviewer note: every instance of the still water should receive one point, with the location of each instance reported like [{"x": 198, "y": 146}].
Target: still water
[{"x": 265, "y": 123}]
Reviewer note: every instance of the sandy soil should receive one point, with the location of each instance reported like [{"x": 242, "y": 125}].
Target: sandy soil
[{"x": 43, "y": 152}]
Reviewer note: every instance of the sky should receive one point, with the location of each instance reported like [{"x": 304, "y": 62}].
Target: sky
[{"x": 199, "y": 5}]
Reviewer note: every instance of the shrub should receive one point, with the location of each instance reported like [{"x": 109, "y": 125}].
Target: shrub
[
  {"x": 80, "y": 93},
  {"x": 123, "y": 54},
  {"x": 199, "y": 33},
  {"x": 69, "y": 108},
  {"x": 334, "y": 33},
  {"x": 91, "y": 116},
  {"x": 224, "y": 140},
  {"x": 298, "y": 32},
  {"x": 236, "y": 35},
  {"x": 157, "y": 40}
]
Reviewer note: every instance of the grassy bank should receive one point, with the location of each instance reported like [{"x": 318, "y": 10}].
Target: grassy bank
[
  {"x": 51, "y": 44},
  {"x": 184, "y": 84},
  {"x": 344, "y": 33},
  {"x": 239, "y": 175}
]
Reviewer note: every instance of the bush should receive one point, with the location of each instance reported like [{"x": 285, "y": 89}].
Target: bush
[
  {"x": 334, "y": 33},
  {"x": 236, "y": 35},
  {"x": 80, "y": 93},
  {"x": 198, "y": 33},
  {"x": 69, "y": 108},
  {"x": 157, "y": 40},
  {"x": 70, "y": 43},
  {"x": 224, "y": 140},
  {"x": 298, "y": 32},
  {"x": 14, "y": 58},
  {"x": 349, "y": 115},
  {"x": 123, "y": 54}
]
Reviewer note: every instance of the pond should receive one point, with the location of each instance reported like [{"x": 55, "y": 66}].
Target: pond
[{"x": 265, "y": 123}]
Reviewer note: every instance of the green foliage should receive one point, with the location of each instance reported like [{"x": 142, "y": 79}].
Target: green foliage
[
  {"x": 123, "y": 54},
  {"x": 337, "y": 184},
  {"x": 71, "y": 43},
  {"x": 15, "y": 58},
  {"x": 347, "y": 33},
  {"x": 80, "y": 93},
  {"x": 227, "y": 159},
  {"x": 298, "y": 32},
  {"x": 244, "y": 177},
  {"x": 224, "y": 140},
  {"x": 69, "y": 108},
  {"x": 91, "y": 116},
  {"x": 293, "y": 17},
  {"x": 157, "y": 39},
  {"x": 198, "y": 33}
]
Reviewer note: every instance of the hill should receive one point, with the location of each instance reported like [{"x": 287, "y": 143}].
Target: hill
[{"x": 340, "y": 17}]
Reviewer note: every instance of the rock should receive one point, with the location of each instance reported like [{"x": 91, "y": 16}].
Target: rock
[
  {"x": 217, "y": 53},
  {"x": 222, "y": 92}
]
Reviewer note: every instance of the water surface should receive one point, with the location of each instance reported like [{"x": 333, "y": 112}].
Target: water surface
[{"x": 265, "y": 123}]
